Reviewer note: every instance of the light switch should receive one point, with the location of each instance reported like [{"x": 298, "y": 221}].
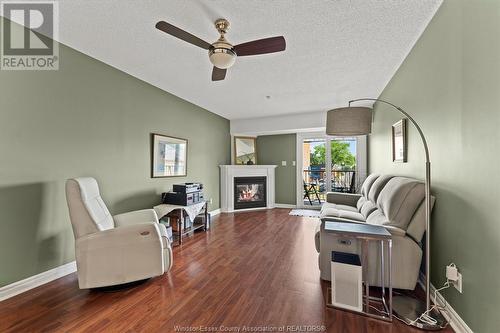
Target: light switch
[
  {"x": 293, "y": 163},
  {"x": 283, "y": 163}
]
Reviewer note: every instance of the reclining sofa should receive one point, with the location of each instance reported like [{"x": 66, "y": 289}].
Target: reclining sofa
[{"x": 396, "y": 203}]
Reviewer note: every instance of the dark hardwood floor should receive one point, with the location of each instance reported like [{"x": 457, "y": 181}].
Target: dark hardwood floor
[{"x": 254, "y": 269}]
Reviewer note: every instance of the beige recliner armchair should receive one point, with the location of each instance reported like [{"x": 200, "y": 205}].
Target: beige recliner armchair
[{"x": 112, "y": 250}]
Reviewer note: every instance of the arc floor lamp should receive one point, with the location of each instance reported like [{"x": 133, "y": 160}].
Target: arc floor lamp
[{"x": 353, "y": 121}]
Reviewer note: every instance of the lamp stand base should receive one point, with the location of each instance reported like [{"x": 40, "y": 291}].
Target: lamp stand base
[{"x": 408, "y": 309}]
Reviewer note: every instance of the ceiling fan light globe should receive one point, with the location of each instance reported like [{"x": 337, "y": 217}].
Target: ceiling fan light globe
[{"x": 222, "y": 57}]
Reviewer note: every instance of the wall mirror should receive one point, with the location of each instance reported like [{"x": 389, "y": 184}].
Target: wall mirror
[
  {"x": 169, "y": 156},
  {"x": 245, "y": 150}
]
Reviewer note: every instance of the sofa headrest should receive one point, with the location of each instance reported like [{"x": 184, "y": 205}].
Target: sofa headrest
[
  {"x": 361, "y": 201},
  {"x": 88, "y": 188},
  {"x": 367, "y": 184},
  {"x": 81, "y": 221},
  {"x": 399, "y": 200},
  {"x": 91, "y": 199},
  {"x": 377, "y": 187},
  {"x": 367, "y": 208}
]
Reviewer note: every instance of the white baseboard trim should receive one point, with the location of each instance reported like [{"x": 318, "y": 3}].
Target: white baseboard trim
[
  {"x": 34, "y": 281},
  {"x": 214, "y": 212},
  {"x": 456, "y": 322},
  {"x": 278, "y": 205},
  {"x": 248, "y": 209}
]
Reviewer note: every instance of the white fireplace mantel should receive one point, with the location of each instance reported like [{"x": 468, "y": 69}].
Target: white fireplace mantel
[{"x": 229, "y": 172}]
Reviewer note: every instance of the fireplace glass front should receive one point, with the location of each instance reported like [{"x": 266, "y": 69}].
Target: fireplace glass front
[{"x": 249, "y": 192}]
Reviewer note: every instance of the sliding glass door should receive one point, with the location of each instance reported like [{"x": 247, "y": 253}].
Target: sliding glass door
[
  {"x": 314, "y": 171},
  {"x": 326, "y": 164},
  {"x": 342, "y": 165}
]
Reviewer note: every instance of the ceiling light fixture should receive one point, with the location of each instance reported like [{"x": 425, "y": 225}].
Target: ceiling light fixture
[{"x": 222, "y": 55}]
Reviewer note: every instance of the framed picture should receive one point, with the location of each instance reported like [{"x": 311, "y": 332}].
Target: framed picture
[
  {"x": 168, "y": 156},
  {"x": 399, "y": 153},
  {"x": 245, "y": 150}
]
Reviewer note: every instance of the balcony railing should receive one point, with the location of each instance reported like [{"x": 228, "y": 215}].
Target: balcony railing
[{"x": 342, "y": 180}]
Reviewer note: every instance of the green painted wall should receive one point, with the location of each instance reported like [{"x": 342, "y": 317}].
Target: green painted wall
[
  {"x": 87, "y": 119},
  {"x": 450, "y": 82},
  {"x": 272, "y": 149}
]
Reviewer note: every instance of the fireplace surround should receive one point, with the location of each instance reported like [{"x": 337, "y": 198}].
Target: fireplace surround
[{"x": 232, "y": 175}]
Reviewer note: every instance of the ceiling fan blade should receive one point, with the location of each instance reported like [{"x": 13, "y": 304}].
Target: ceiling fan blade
[
  {"x": 261, "y": 46},
  {"x": 218, "y": 74},
  {"x": 181, "y": 34}
]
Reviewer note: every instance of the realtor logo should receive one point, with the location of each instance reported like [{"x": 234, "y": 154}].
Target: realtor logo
[{"x": 28, "y": 32}]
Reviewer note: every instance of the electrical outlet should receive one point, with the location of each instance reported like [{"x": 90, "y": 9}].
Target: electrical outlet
[
  {"x": 454, "y": 276},
  {"x": 283, "y": 163},
  {"x": 293, "y": 163},
  {"x": 458, "y": 284},
  {"x": 210, "y": 201}
]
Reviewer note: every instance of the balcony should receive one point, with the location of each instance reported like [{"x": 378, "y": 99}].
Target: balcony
[{"x": 315, "y": 181}]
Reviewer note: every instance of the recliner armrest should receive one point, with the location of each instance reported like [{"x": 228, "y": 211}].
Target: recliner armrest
[
  {"x": 349, "y": 199},
  {"x": 164, "y": 236},
  {"x": 137, "y": 216},
  {"x": 122, "y": 237},
  {"x": 395, "y": 231},
  {"x": 120, "y": 255}
]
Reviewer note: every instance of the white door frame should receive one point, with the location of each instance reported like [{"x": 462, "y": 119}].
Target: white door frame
[{"x": 361, "y": 161}]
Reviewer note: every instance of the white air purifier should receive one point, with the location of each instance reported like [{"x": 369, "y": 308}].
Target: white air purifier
[{"x": 347, "y": 285}]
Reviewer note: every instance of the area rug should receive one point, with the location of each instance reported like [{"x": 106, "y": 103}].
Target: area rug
[{"x": 304, "y": 212}]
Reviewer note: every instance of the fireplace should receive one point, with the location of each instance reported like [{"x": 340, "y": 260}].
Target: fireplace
[
  {"x": 249, "y": 192},
  {"x": 229, "y": 175}
]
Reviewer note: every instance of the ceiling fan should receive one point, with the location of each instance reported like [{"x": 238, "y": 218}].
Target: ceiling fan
[{"x": 221, "y": 53}]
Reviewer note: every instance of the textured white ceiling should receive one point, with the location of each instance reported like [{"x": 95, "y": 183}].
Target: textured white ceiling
[{"x": 336, "y": 49}]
